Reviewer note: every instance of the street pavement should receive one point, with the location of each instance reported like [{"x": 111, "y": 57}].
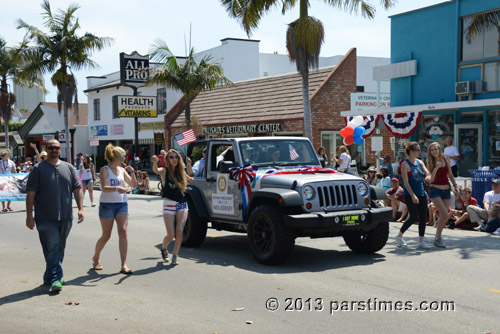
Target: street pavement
[{"x": 220, "y": 288}]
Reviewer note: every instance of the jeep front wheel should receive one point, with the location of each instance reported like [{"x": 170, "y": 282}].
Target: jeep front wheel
[
  {"x": 368, "y": 242},
  {"x": 270, "y": 241},
  {"x": 195, "y": 229}
]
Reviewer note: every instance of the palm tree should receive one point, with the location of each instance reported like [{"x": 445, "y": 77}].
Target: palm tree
[
  {"x": 304, "y": 36},
  {"x": 9, "y": 67},
  {"x": 190, "y": 77},
  {"x": 61, "y": 51}
]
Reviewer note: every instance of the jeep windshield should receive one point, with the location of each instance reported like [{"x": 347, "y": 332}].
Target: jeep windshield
[{"x": 278, "y": 152}]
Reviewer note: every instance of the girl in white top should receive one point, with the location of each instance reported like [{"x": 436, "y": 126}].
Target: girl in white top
[
  {"x": 344, "y": 160},
  {"x": 113, "y": 204},
  {"x": 7, "y": 166},
  {"x": 87, "y": 173}
]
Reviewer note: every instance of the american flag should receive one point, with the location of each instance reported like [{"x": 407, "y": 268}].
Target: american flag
[
  {"x": 293, "y": 154},
  {"x": 185, "y": 137}
]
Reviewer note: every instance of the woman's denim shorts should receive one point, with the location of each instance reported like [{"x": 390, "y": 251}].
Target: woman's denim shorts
[
  {"x": 436, "y": 192},
  {"x": 110, "y": 210},
  {"x": 86, "y": 182}
]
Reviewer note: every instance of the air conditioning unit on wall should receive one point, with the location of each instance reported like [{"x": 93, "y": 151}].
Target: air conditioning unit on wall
[{"x": 469, "y": 87}]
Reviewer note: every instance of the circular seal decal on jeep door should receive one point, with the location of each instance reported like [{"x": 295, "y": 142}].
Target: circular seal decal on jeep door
[{"x": 221, "y": 184}]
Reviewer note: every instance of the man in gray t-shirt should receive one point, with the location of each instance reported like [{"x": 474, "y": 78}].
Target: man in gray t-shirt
[{"x": 50, "y": 187}]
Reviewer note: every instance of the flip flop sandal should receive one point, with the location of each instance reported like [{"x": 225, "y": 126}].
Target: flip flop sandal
[
  {"x": 10, "y": 209},
  {"x": 126, "y": 272}
]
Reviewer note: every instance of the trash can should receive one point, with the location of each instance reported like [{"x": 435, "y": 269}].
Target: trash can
[{"x": 481, "y": 182}]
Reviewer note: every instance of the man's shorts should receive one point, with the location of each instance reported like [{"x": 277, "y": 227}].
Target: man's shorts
[
  {"x": 111, "y": 210},
  {"x": 401, "y": 206},
  {"x": 436, "y": 192},
  {"x": 173, "y": 207},
  {"x": 86, "y": 182}
]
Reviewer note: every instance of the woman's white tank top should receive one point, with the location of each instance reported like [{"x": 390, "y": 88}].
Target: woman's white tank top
[{"x": 114, "y": 181}]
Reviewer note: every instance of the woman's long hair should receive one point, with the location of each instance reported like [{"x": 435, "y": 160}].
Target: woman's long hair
[
  {"x": 177, "y": 174},
  {"x": 86, "y": 161},
  {"x": 431, "y": 161},
  {"x": 343, "y": 149}
]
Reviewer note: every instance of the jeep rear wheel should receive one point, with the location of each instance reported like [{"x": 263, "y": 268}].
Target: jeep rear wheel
[
  {"x": 270, "y": 241},
  {"x": 368, "y": 242},
  {"x": 195, "y": 229}
]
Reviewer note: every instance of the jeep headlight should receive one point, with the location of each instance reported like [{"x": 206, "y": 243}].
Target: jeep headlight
[
  {"x": 362, "y": 189},
  {"x": 308, "y": 192}
]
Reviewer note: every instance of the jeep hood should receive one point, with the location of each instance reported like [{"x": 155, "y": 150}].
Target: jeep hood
[{"x": 286, "y": 180}]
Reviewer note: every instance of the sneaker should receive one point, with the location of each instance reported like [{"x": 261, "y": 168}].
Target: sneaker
[
  {"x": 174, "y": 260},
  {"x": 497, "y": 232},
  {"x": 451, "y": 225},
  {"x": 423, "y": 245},
  {"x": 438, "y": 242},
  {"x": 92, "y": 204},
  {"x": 401, "y": 242},
  {"x": 46, "y": 282},
  {"x": 164, "y": 254},
  {"x": 56, "y": 286},
  {"x": 481, "y": 225}
]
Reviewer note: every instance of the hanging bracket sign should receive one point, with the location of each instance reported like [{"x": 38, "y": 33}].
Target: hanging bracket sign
[{"x": 137, "y": 106}]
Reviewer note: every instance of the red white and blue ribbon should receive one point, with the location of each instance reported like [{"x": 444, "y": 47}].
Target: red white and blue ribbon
[
  {"x": 402, "y": 125},
  {"x": 245, "y": 175},
  {"x": 369, "y": 123}
]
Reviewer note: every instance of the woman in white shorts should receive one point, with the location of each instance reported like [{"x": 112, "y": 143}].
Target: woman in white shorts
[{"x": 175, "y": 209}]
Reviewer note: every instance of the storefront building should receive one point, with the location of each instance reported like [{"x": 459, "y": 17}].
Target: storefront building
[
  {"x": 456, "y": 86},
  {"x": 272, "y": 106}
]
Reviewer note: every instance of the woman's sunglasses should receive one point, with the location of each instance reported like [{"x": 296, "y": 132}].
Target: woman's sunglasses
[{"x": 173, "y": 157}]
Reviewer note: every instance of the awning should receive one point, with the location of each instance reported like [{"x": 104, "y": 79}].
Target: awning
[{"x": 146, "y": 141}]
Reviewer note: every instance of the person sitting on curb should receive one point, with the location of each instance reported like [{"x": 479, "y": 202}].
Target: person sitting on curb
[
  {"x": 396, "y": 200},
  {"x": 463, "y": 219},
  {"x": 478, "y": 214}
]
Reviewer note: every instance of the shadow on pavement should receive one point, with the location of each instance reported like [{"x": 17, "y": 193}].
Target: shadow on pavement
[
  {"x": 24, "y": 295},
  {"x": 234, "y": 251}
]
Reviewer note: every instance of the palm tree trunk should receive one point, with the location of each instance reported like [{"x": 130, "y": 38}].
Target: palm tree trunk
[
  {"x": 187, "y": 113},
  {"x": 307, "y": 105},
  {"x": 4, "y": 109},
  {"x": 6, "y": 131},
  {"x": 67, "y": 134}
]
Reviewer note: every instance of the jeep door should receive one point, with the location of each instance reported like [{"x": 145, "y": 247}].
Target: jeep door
[{"x": 223, "y": 194}]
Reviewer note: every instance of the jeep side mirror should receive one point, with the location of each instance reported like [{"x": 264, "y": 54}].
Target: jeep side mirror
[{"x": 224, "y": 166}]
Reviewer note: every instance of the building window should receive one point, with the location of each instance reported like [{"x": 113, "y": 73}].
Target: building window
[
  {"x": 161, "y": 95},
  {"x": 492, "y": 76},
  {"x": 97, "y": 109},
  {"x": 115, "y": 106},
  {"x": 494, "y": 139},
  {"x": 480, "y": 36}
]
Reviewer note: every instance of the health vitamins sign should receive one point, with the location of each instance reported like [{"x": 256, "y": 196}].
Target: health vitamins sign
[{"x": 137, "y": 106}]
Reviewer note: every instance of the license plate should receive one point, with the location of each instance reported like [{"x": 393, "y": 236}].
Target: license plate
[{"x": 351, "y": 220}]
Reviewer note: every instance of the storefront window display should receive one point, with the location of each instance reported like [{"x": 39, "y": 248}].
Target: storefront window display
[
  {"x": 494, "y": 139},
  {"x": 434, "y": 128}
]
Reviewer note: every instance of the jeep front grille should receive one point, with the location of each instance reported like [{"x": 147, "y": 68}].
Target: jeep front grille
[{"x": 338, "y": 196}]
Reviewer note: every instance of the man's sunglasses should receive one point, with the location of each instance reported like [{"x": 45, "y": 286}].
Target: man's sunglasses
[{"x": 53, "y": 147}]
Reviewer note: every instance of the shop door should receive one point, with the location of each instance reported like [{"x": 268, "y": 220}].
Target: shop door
[
  {"x": 469, "y": 138},
  {"x": 330, "y": 140}
]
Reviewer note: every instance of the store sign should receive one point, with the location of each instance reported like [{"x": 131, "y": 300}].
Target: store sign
[
  {"x": 134, "y": 68},
  {"x": 46, "y": 138},
  {"x": 61, "y": 137},
  {"x": 364, "y": 101},
  {"x": 94, "y": 141},
  {"x": 117, "y": 129},
  {"x": 245, "y": 128},
  {"x": 158, "y": 138},
  {"x": 99, "y": 130},
  {"x": 151, "y": 126},
  {"x": 137, "y": 106}
]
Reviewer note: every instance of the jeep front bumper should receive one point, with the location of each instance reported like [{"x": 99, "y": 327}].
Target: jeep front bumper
[{"x": 364, "y": 219}]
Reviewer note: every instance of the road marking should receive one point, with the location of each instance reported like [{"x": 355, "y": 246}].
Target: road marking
[{"x": 493, "y": 290}]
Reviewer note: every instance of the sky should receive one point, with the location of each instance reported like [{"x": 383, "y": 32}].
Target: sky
[{"x": 134, "y": 25}]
